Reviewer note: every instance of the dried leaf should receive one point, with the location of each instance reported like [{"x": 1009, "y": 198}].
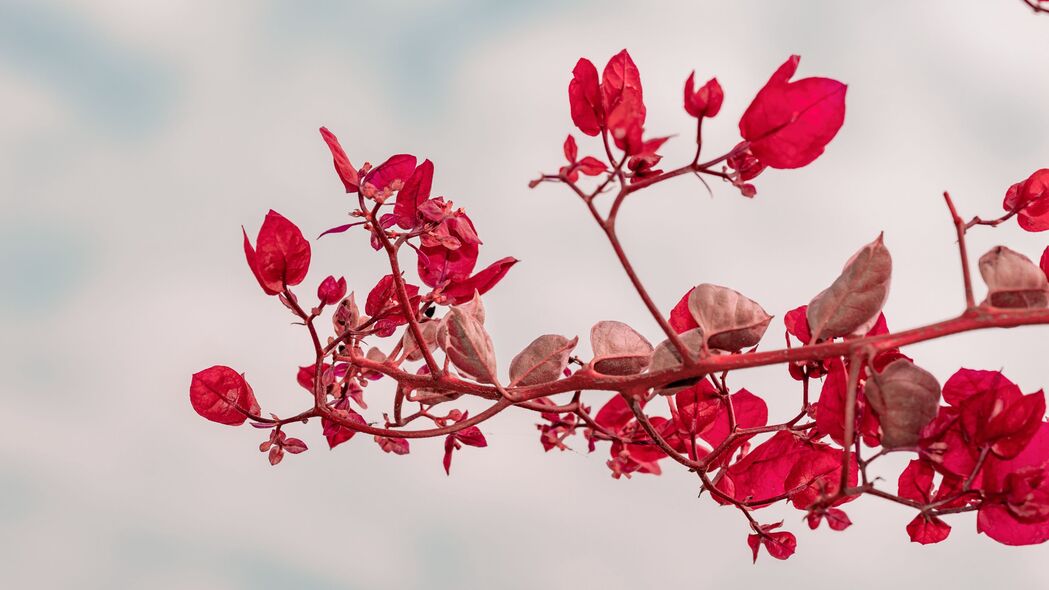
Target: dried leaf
[
  {"x": 667, "y": 357},
  {"x": 429, "y": 331},
  {"x": 619, "y": 349},
  {"x": 856, "y": 297},
  {"x": 1013, "y": 280},
  {"x": 347, "y": 316},
  {"x": 469, "y": 347},
  {"x": 541, "y": 361},
  {"x": 729, "y": 320},
  {"x": 906, "y": 398}
]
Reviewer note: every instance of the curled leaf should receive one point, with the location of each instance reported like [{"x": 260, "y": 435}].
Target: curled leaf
[
  {"x": 666, "y": 357},
  {"x": 541, "y": 361},
  {"x": 413, "y": 351},
  {"x": 906, "y": 398},
  {"x": 469, "y": 347},
  {"x": 728, "y": 320},
  {"x": 1013, "y": 280},
  {"x": 619, "y": 349},
  {"x": 852, "y": 303}
]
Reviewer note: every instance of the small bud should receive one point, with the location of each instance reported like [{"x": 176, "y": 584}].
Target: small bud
[{"x": 331, "y": 291}]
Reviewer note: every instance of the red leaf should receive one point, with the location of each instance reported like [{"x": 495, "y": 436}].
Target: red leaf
[
  {"x": 830, "y": 408},
  {"x": 584, "y": 98},
  {"x": 837, "y": 519},
  {"x": 750, "y": 411},
  {"x": 681, "y": 317},
  {"x": 281, "y": 256},
  {"x": 330, "y": 291},
  {"x": 697, "y": 407},
  {"x": 615, "y": 414},
  {"x": 818, "y": 475},
  {"x": 915, "y": 482},
  {"x": 382, "y": 301},
  {"x": 621, "y": 87},
  {"x": 790, "y": 123},
  {"x": 397, "y": 446},
  {"x": 780, "y": 545},
  {"x": 1031, "y": 199},
  {"x": 482, "y": 282},
  {"x": 221, "y": 395},
  {"x": 449, "y": 447},
  {"x": 448, "y": 252},
  {"x": 762, "y": 472},
  {"x": 347, "y": 173},
  {"x": 335, "y": 432},
  {"x": 705, "y": 102},
  {"x": 339, "y": 229},
  {"x": 928, "y": 529},
  {"x": 307, "y": 375},
  {"x": 416, "y": 190},
  {"x": 968, "y": 382},
  {"x": 471, "y": 436},
  {"x": 1017, "y": 511},
  {"x": 398, "y": 167},
  {"x": 591, "y": 166},
  {"x": 571, "y": 150},
  {"x": 797, "y": 324},
  {"x": 294, "y": 446},
  {"x": 276, "y": 454}
]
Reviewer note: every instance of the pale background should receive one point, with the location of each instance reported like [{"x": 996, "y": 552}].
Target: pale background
[{"x": 136, "y": 137}]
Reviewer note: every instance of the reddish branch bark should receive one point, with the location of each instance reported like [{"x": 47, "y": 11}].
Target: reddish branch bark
[{"x": 984, "y": 445}]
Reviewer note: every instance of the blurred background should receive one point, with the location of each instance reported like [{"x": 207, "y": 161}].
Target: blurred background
[{"x": 137, "y": 137}]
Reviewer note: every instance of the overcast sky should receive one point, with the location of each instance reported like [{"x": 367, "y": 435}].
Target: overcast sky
[{"x": 137, "y": 137}]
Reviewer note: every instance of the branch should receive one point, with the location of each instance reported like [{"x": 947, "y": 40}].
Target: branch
[
  {"x": 402, "y": 291},
  {"x": 960, "y": 227},
  {"x": 1037, "y": 6},
  {"x": 979, "y": 318}
]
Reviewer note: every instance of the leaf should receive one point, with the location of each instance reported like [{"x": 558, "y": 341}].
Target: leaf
[
  {"x": 704, "y": 102},
  {"x": 398, "y": 167},
  {"x": 395, "y": 445},
  {"x": 621, "y": 87},
  {"x": 571, "y": 149},
  {"x": 469, "y": 347},
  {"x": 1013, "y": 281},
  {"x": 728, "y": 320},
  {"x": 927, "y": 529},
  {"x": 584, "y": 97},
  {"x": 1030, "y": 199},
  {"x": 334, "y": 432},
  {"x": 221, "y": 395},
  {"x": 852, "y": 303},
  {"x": 412, "y": 351},
  {"x": 281, "y": 256},
  {"x": 481, "y": 283},
  {"x": 789, "y": 124},
  {"x": 906, "y": 398},
  {"x": 347, "y": 173},
  {"x": 666, "y": 356},
  {"x": 619, "y": 349},
  {"x": 541, "y": 361},
  {"x": 415, "y": 190},
  {"x": 331, "y": 291}
]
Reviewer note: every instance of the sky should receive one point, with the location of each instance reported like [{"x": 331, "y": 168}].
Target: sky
[{"x": 137, "y": 138}]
